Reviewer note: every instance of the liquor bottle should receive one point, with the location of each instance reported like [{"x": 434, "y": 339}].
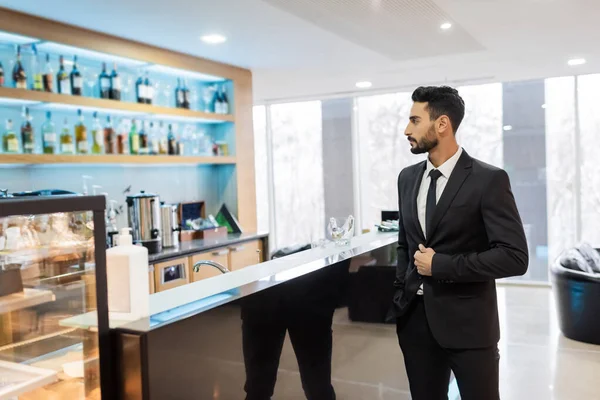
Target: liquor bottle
[
  {"x": 154, "y": 139},
  {"x": 104, "y": 81},
  {"x": 172, "y": 142},
  {"x": 163, "y": 142},
  {"x": 224, "y": 101},
  {"x": 48, "y": 76},
  {"x": 143, "y": 139},
  {"x": 149, "y": 89},
  {"x": 19, "y": 75},
  {"x": 1, "y": 74},
  {"x": 62, "y": 78},
  {"x": 109, "y": 137},
  {"x": 186, "y": 96},
  {"x": 27, "y": 133},
  {"x": 178, "y": 94},
  {"x": 97, "y": 135},
  {"x": 140, "y": 90},
  {"x": 122, "y": 138},
  {"x": 49, "y": 135},
  {"x": 81, "y": 137},
  {"x": 134, "y": 139},
  {"x": 218, "y": 102},
  {"x": 10, "y": 141},
  {"x": 76, "y": 79},
  {"x": 38, "y": 83},
  {"x": 66, "y": 140},
  {"x": 115, "y": 84}
]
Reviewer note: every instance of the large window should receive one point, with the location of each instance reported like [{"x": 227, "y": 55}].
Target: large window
[
  {"x": 261, "y": 168},
  {"x": 298, "y": 172}
]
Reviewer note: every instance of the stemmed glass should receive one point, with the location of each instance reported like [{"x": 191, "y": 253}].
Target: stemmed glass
[
  {"x": 167, "y": 93},
  {"x": 208, "y": 94}
]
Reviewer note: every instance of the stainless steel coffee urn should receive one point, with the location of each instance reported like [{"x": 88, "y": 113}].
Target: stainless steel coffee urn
[
  {"x": 143, "y": 211},
  {"x": 170, "y": 225}
]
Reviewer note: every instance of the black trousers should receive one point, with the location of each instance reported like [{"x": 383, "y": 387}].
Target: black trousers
[
  {"x": 428, "y": 365},
  {"x": 311, "y": 337}
]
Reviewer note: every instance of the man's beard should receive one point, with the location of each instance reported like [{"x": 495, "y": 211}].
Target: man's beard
[{"x": 425, "y": 144}]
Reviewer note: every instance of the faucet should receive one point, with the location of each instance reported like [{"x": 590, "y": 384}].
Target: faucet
[{"x": 214, "y": 264}]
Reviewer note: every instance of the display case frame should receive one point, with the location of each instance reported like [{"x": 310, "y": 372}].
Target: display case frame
[{"x": 69, "y": 204}]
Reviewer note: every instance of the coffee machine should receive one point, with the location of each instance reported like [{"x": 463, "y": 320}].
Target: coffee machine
[{"x": 143, "y": 212}]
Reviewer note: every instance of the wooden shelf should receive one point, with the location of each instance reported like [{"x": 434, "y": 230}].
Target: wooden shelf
[
  {"x": 108, "y": 105},
  {"x": 38, "y": 159}
]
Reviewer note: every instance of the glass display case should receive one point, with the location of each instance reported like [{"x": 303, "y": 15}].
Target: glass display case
[{"x": 53, "y": 269}]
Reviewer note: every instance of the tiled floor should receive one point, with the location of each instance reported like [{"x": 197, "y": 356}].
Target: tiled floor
[{"x": 537, "y": 362}]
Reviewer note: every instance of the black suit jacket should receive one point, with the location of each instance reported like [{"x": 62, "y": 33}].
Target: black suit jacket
[{"x": 478, "y": 237}]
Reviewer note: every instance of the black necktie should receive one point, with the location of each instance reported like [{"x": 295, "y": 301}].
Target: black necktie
[{"x": 434, "y": 175}]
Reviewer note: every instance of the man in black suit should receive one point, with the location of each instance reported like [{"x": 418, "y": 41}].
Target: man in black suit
[{"x": 460, "y": 230}]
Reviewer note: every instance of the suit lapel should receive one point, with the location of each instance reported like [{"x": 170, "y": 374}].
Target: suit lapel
[
  {"x": 457, "y": 178},
  {"x": 415, "y": 195}
]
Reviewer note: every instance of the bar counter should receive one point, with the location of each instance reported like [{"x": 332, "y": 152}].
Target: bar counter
[
  {"x": 203, "y": 245},
  {"x": 201, "y": 339}
]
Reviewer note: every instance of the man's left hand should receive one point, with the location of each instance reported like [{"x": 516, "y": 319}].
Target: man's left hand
[{"x": 423, "y": 260}]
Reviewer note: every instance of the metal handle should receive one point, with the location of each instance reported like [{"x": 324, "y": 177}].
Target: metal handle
[
  {"x": 238, "y": 248},
  {"x": 220, "y": 253}
]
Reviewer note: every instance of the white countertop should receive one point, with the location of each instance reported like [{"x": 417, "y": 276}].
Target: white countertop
[{"x": 274, "y": 271}]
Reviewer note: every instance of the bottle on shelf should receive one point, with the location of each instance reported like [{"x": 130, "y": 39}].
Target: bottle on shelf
[
  {"x": 173, "y": 148},
  {"x": 115, "y": 84},
  {"x": 154, "y": 139},
  {"x": 218, "y": 102},
  {"x": 19, "y": 75},
  {"x": 81, "y": 137},
  {"x": 149, "y": 89},
  {"x": 140, "y": 90},
  {"x": 62, "y": 78},
  {"x": 10, "y": 140},
  {"x": 76, "y": 79},
  {"x": 122, "y": 136},
  {"x": 1, "y": 74},
  {"x": 38, "y": 82},
  {"x": 49, "y": 135},
  {"x": 143, "y": 135},
  {"x": 97, "y": 135},
  {"x": 27, "y": 134},
  {"x": 224, "y": 101},
  {"x": 186, "y": 96},
  {"x": 163, "y": 141},
  {"x": 104, "y": 83},
  {"x": 134, "y": 139},
  {"x": 178, "y": 94},
  {"x": 48, "y": 75},
  {"x": 109, "y": 137},
  {"x": 66, "y": 139}
]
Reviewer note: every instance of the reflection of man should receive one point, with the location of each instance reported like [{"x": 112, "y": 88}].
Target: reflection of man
[
  {"x": 302, "y": 307},
  {"x": 459, "y": 231}
]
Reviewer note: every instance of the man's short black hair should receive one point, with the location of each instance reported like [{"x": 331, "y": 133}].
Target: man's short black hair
[{"x": 441, "y": 100}]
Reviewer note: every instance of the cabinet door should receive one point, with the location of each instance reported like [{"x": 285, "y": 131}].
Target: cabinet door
[
  {"x": 245, "y": 254},
  {"x": 220, "y": 256},
  {"x": 151, "y": 276},
  {"x": 171, "y": 274}
]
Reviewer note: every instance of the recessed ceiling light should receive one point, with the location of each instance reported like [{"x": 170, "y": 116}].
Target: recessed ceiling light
[
  {"x": 445, "y": 26},
  {"x": 363, "y": 84},
  {"x": 213, "y": 38},
  {"x": 544, "y": 106},
  {"x": 507, "y": 127},
  {"x": 576, "y": 61}
]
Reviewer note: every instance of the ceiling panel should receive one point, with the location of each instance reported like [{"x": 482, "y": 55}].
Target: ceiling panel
[{"x": 399, "y": 29}]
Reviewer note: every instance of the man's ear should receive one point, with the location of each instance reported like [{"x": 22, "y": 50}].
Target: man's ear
[{"x": 444, "y": 127}]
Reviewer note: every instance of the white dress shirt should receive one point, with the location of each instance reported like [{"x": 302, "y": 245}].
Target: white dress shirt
[{"x": 446, "y": 170}]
